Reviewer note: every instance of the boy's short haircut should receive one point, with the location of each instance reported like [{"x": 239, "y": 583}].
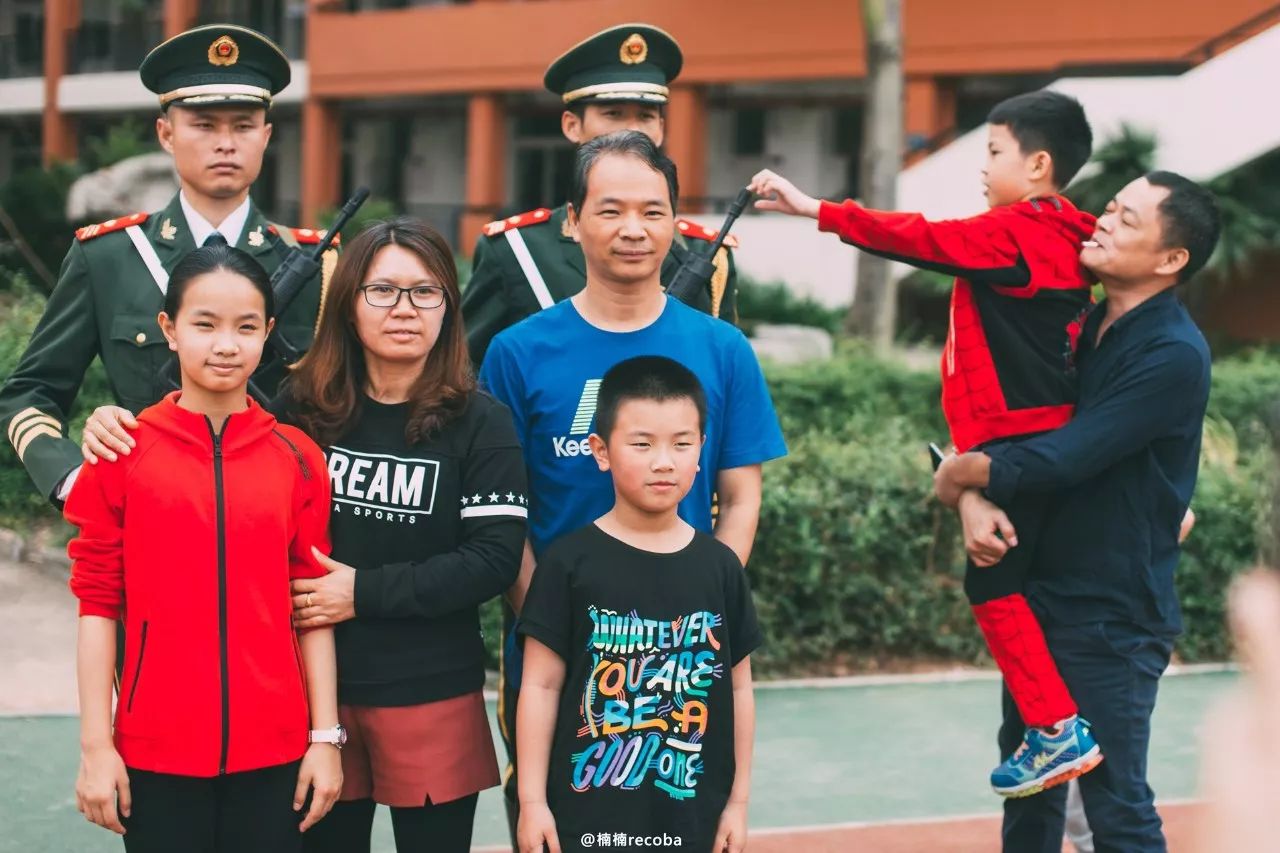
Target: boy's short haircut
[
  {"x": 1189, "y": 219},
  {"x": 647, "y": 377},
  {"x": 1048, "y": 121}
]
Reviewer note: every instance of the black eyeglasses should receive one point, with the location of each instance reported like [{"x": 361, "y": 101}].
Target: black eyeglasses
[{"x": 388, "y": 295}]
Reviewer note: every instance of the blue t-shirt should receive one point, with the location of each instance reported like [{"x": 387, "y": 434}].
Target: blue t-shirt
[{"x": 547, "y": 370}]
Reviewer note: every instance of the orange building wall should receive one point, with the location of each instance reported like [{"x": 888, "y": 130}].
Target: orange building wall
[
  {"x": 500, "y": 46},
  {"x": 1249, "y": 308},
  {"x": 505, "y": 45}
]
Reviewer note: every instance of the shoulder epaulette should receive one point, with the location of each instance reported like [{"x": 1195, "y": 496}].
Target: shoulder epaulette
[
  {"x": 520, "y": 220},
  {"x": 88, "y": 232},
  {"x": 689, "y": 228},
  {"x": 306, "y": 235}
]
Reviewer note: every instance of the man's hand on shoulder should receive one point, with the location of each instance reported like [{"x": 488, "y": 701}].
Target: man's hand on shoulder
[{"x": 106, "y": 434}]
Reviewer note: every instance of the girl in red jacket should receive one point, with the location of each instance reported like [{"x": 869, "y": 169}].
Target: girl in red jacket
[{"x": 192, "y": 541}]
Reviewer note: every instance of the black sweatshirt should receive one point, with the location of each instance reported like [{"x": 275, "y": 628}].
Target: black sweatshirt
[{"x": 433, "y": 530}]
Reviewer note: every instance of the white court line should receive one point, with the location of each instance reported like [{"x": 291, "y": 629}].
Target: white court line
[
  {"x": 950, "y": 676},
  {"x": 869, "y": 824}
]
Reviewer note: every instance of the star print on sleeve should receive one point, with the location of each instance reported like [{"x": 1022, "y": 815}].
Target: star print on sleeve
[{"x": 511, "y": 504}]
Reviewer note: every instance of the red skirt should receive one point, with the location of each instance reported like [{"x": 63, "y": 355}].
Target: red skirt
[{"x": 418, "y": 754}]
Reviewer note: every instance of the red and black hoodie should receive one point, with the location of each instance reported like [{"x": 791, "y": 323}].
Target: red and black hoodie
[
  {"x": 1019, "y": 295},
  {"x": 192, "y": 540}
]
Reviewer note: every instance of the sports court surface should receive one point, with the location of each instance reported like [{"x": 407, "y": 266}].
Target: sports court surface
[
  {"x": 827, "y": 760},
  {"x": 892, "y": 765}
]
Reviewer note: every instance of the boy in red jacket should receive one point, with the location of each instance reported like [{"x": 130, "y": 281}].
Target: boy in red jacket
[{"x": 1006, "y": 371}]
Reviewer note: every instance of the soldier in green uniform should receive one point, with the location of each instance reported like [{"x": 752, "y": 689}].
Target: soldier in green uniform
[
  {"x": 215, "y": 85},
  {"x": 615, "y": 80}
]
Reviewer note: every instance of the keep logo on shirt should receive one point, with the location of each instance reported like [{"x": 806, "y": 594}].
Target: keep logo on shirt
[
  {"x": 382, "y": 486},
  {"x": 583, "y": 415}
]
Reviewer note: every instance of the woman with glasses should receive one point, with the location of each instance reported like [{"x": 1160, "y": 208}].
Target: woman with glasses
[{"x": 427, "y": 523}]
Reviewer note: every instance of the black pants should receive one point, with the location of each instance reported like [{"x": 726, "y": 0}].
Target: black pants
[
  {"x": 438, "y": 828},
  {"x": 1113, "y": 669},
  {"x": 249, "y": 812}
]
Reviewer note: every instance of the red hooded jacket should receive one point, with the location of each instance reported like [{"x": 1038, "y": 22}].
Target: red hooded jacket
[
  {"x": 1007, "y": 369},
  {"x": 192, "y": 539}
]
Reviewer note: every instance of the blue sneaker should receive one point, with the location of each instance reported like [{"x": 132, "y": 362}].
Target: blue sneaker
[{"x": 1045, "y": 760}]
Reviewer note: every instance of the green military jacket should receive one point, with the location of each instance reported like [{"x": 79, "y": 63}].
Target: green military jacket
[
  {"x": 501, "y": 294},
  {"x": 105, "y": 304}
]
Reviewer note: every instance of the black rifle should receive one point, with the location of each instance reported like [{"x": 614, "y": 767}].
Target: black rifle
[
  {"x": 694, "y": 276},
  {"x": 298, "y": 267}
]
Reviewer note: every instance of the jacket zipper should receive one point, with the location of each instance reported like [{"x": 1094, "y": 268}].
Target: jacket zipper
[
  {"x": 137, "y": 670},
  {"x": 222, "y": 593}
]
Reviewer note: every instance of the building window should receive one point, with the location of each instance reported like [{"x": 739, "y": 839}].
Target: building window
[
  {"x": 748, "y": 132},
  {"x": 847, "y": 138},
  {"x": 846, "y": 143},
  {"x": 22, "y": 39},
  {"x": 543, "y": 161},
  {"x": 114, "y": 35}
]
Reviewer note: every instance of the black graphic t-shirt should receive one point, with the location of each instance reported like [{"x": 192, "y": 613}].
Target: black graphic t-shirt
[
  {"x": 644, "y": 735},
  {"x": 433, "y": 529}
]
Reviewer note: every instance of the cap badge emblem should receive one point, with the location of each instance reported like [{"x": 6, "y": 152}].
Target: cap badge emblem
[
  {"x": 224, "y": 51},
  {"x": 634, "y": 50}
]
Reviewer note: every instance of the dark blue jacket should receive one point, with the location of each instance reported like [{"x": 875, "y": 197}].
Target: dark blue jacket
[{"x": 1121, "y": 473}]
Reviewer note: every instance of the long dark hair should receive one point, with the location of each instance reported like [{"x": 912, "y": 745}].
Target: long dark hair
[{"x": 328, "y": 384}]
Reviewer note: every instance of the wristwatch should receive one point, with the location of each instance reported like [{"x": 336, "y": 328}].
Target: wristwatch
[{"x": 336, "y": 736}]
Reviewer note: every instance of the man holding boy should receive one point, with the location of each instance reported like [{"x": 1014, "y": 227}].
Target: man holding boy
[
  {"x": 1121, "y": 474},
  {"x": 1005, "y": 373},
  {"x": 548, "y": 370},
  {"x": 215, "y": 84}
]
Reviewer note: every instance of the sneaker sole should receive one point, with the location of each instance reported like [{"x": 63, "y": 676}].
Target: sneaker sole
[{"x": 1062, "y": 775}]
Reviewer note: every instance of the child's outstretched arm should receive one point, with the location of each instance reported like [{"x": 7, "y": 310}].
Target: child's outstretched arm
[
  {"x": 540, "y": 688},
  {"x": 731, "y": 835},
  {"x": 979, "y": 249},
  {"x": 781, "y": 196}
]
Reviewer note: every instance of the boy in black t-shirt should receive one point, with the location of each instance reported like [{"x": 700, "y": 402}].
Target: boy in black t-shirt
[{"x": 636, "y": 716}]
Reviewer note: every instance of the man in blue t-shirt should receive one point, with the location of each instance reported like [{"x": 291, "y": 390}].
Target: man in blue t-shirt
[{"x": 547, "y": 369}]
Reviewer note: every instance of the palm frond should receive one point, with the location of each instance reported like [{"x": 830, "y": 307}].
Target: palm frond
[{"x": 1119, "y": 160}]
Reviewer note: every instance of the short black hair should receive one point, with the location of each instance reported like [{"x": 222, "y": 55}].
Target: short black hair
[
  {"x": 1048, "y": 121},
  {"x": 1189, "y": 219},
  {"x": 631, "y": 142},
  {"x": 207, "y": 259},
  {"x": 646, "y": 377}
]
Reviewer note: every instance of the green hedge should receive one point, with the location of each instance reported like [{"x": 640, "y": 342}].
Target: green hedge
[
  {"x": 20, "y": 309},
  {"x": 855, "y": 566}
]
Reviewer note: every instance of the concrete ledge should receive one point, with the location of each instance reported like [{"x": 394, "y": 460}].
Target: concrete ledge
[{"x": 32, "y": 551}]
